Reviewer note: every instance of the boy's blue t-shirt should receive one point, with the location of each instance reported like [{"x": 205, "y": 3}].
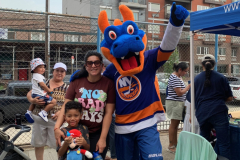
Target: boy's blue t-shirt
[{"x": 210, "y": 100}]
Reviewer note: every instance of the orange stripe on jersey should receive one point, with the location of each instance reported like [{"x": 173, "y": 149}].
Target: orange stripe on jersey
[
  {"x": 163, "y": 56},
  {"x": 136, "y": 116}
]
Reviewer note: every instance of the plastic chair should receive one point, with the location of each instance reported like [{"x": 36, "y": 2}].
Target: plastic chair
[{"x": 194, "y": 147}]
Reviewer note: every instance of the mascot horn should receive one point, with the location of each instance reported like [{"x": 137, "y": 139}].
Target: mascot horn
[{"x": 133, "y": 69}]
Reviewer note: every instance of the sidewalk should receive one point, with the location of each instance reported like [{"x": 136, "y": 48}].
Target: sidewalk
[{"x": 50, "y": 154}]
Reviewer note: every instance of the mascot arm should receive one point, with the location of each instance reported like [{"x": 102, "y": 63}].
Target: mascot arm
[
  {"x": 74, "y": 76},
  {"x": 173, "y": 32}
]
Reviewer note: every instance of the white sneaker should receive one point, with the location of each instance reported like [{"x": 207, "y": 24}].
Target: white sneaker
[{"x": 43, "y": 114}]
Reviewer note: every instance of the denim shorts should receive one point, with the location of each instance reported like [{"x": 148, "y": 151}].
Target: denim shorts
[{"x": 47, "y": 99}]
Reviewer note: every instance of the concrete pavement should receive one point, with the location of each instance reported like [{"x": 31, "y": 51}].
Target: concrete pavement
[{"x": 50, "y": 154}]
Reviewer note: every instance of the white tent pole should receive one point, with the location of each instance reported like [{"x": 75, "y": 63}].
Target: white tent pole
[{"x": 192, "y": 69}]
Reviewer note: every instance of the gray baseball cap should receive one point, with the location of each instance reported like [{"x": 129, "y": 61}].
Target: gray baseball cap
[{"x": 208, "y": 57}]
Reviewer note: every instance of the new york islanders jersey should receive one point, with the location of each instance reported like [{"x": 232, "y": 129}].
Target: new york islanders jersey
[{"x": 138, "y": 103}]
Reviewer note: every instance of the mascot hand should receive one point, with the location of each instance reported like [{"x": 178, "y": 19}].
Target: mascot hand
[
  {"x": 74, "y": 76},
  {"x": 178, "y": 15}
]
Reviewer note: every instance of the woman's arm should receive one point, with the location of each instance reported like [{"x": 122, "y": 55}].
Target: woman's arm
[
  {"x": 35, "y": 100},
  {"x": 58, "y": 124},
  {"x": 107, "y": 119},
  {"x": 181, "y": 91}
]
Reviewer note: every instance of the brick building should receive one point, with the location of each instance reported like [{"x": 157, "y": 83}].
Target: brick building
[
  {"x": 228, "y": 46},
  {"x": 22, "y": 38}
]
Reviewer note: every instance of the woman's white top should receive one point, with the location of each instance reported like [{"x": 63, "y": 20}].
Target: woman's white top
[{"x": 187, "y": 125}]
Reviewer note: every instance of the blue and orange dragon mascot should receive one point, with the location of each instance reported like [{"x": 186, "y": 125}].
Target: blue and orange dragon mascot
[
  {"x": 138, "y": 103},
  {"x": 133, "y": 69}
]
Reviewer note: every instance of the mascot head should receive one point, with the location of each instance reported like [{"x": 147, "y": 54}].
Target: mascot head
[{"x": 124, "y": 43}]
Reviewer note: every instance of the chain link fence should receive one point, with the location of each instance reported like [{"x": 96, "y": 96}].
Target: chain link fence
[{"x": 22, "y": 38}]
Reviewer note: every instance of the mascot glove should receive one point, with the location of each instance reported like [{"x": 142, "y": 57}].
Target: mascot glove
[
  {"x": 178, "y": 15},
  {"x": 74, "y": 76}
]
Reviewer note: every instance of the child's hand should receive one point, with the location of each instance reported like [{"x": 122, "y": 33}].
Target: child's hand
[
  {"x": 80, "y": 141},
  {"x": 68, "y": 140}
]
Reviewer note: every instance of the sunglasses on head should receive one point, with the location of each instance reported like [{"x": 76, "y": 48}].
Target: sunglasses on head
[{"x": 96, "y": 63}]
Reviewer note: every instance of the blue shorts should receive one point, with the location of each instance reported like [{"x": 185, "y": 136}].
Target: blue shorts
[
  {"x": 140, "y": 145},
  {"x": 47, "y": 99}
]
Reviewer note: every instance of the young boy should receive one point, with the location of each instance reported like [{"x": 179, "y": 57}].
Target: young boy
[
  {"x": 73, "y": 114},
  {"x": 39, "y": 89}
]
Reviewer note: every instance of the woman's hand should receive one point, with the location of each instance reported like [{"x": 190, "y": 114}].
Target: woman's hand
[
  {"x": 101, "y": 144},
  {"x": 80, "y": 141},
  {"x": 56, "y": 115},
  {"x": 38, "y": 101},
  {"x": 58, "y": 134}
]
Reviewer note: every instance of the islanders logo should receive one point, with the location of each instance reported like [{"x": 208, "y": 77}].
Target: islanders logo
[{"x": 128, "y": 88}]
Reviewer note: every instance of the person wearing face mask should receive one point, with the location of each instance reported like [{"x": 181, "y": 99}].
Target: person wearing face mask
[{"x": 96, "y": 93}]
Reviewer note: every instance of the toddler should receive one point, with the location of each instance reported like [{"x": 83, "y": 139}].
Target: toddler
[{"x": 39, "y": 89}]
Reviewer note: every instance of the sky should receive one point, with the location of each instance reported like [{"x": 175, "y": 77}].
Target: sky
[{"x": 32, "y": 5}]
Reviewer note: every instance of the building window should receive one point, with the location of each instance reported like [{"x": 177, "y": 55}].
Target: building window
[
  {"x": 198, "y": 69},
  {"x": 202, "y": 50},
  {"x": 234, "y": 52},
  {"x": 169, "y": 9},
  {"x": 37, "y": 36},
  {"x": 11, "y": 35},
  {"x": 108, "y": 10},
  {"x": 222, "y": 37},
  {"x": 222, "y": 51},
  {"x": 153, "y": 29},
  {"x": 154, "y": 7},
  {"x": 222, "y": 69},
  {"x": 199, "y": 7},
  {"x": 235, "y": 69},
  {"x": 136, "y": 15},
  {"x": 72, "y": 38}
]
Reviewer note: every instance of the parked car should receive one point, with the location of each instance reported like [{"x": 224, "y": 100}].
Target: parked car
[
  {"x": 162, "y": 87},
  {"x": 234, "y": 83},
  {"x": 14, "y": 100}
]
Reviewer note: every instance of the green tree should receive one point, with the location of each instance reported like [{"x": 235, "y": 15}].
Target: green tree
[{"x": 168, "y": 66}]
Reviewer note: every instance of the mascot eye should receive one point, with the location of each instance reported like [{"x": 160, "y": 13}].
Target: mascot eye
[
  {"x": 130, "y": 29},
  {"x": 112, "y": 35}
]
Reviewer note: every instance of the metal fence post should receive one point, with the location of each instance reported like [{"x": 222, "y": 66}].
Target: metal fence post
[
  {"x": 98, "y": 39},
  {"x": 47, "y": 40},
  {"x": 216, "y": 51}
]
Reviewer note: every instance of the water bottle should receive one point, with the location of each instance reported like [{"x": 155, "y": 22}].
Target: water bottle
[
  {"x": 18, "y": 120},
  {"x": 97, "y": 156}
]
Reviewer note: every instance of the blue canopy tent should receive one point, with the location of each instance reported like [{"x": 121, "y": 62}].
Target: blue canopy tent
[{"x": 220, "y": 20}]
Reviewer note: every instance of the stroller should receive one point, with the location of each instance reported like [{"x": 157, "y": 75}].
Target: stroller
[{"x": 8, "y": 151}]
